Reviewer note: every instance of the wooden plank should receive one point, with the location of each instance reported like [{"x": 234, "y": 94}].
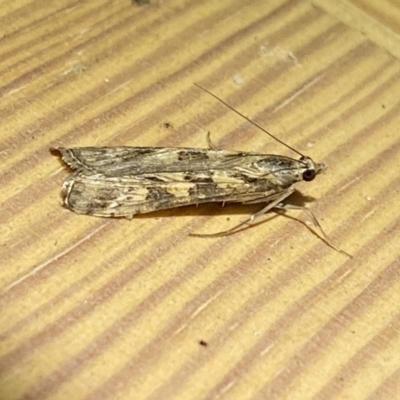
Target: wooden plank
[{"x": 97, "y": 308}]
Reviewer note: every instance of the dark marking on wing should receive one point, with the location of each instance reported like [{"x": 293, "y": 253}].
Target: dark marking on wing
[
  {"x": 157, "y": 194},
  {"x": 205, "y": 177},
  {"x": 192, "y": 156}
]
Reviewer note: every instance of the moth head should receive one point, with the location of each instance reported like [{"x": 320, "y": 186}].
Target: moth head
[
  {"x": 285, "y": 171},
  {"x": 311, "y": 169}
]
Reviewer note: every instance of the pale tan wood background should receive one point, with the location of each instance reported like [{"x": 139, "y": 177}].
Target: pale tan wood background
[{"x": 114, "y": 309}]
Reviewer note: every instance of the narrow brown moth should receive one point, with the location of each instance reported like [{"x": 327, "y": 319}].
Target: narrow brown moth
[{"x": 125, "y": 181}]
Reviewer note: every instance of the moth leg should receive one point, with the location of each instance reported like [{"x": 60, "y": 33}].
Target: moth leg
[
  {"x": 265, "y": 199},
  {"x": 251, "y": 219},
  {"x": 211, "y": 145},
  {"x": 314, "y": 219}
]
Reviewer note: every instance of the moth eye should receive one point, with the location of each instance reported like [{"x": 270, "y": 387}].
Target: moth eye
[{"x": 309, "y": 175}]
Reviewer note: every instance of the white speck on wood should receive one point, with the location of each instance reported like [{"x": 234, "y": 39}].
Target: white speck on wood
[{"x": 238, "y": 79}]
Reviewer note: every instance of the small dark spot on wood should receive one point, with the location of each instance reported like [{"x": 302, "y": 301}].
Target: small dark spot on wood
[
  {"x": 203, "y": 343},
  {"x": 167, "y": 125},
  {"x": 140, "y": 2}
]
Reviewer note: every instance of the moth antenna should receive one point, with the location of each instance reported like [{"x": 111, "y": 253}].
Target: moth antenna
[{"x": 249, "y": 120}]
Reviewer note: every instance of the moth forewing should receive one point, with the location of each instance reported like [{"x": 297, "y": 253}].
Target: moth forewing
[{"x": 121, "y": 161}]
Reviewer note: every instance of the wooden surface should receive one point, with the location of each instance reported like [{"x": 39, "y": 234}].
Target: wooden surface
[{"x": 97, "y": 308}]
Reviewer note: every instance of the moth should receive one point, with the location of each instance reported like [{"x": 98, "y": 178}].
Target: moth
[{"x": 125, "y": 181}]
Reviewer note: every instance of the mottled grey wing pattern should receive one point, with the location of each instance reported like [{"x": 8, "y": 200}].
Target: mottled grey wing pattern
[
  {"x": 104, "y": 196},
  {"x": 120, "y": 161}
]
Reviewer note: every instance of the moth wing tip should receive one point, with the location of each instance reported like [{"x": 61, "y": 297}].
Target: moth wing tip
[{"x": 57, "y": 151}]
